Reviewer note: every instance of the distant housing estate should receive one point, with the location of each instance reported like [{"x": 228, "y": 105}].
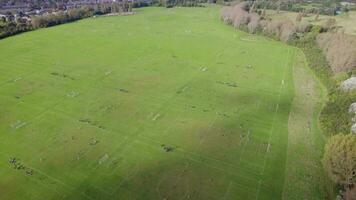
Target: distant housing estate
[{"x": 31, "y": 8}]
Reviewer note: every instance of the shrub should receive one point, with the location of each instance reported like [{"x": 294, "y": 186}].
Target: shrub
[
  {"x": 335, "y": 117},
  {"x": 254, "y": 23},
  {"x": 329, "y": 24},
  {"x": 241, "y": 18},
  {"x": 226, "y": 15},
  {"x": 287, "y": 31},
  {"x": 339, "y": 49},
  {"x": 61, "y": 17},
  {"x": 12, "y": 28},
  {"x": 299, "y": 17},
  {"x": 273, "y": 27},
  {"x": 236, "y": 15},
  {"x": 340, "y": 161},
  {"x": 304, "y": 27}
]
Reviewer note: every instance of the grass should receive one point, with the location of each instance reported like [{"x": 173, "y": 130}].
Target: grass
[
  {"x": 304, "y": 177},
  {"x": 164, "y": 104}
]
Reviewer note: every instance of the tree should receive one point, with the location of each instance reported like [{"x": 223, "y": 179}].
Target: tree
[
  {"x": 317, "y": 17},
  {"x": 330, "y": 24},
  {"x": 340, "y": 161},
  {"x": 253, "y": 7},
  {"x": 279, "y": 6},
  {"x": 263, "y": 14},
  {"x": 299, "y": 17},
  {"x": 130, "y": 6}
]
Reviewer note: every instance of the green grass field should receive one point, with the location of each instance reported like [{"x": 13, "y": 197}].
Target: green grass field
[{"x": 164, "y": 104}]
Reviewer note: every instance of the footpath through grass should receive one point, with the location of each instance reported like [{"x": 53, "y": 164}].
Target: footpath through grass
[{"x": 164, "y": 104}]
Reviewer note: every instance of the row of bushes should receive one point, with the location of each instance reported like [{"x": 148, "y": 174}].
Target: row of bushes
[
  {"x": 46, "y": 20},
  {"x": 183, "y": 3},
  {"x": 241, "y": 17},
  {"x": 12, "y": 28},
  {"x": 300, "y": 7},
  {"x": 61, "y": 17}
]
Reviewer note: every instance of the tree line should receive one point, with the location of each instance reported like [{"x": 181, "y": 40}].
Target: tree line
[
  {"x": 324, "y": 7},
  {"x": 183, "y": 3},
  {"x": 12, "y": 26}
]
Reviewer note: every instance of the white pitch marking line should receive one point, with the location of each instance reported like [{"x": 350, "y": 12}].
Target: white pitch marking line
[{"x": 274, "y": 119}]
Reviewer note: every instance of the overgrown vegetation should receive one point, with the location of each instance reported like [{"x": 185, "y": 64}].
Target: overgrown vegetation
[
  {"x": 12, "y": 27},
  {"x": 324, "y": 7},
  {"x": 183, "y": 3},
  {"x": 339, "y": 49},
  {"x": 314, "y": 55},
  {"x": 243, "y": 16},
  {"x": 62, "y": 17},
  {"x": 340, "y": 162},
  {"x": 335, "y": 117}
]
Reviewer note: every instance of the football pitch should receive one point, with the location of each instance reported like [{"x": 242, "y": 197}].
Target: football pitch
[{"x": 163, "y": 104}]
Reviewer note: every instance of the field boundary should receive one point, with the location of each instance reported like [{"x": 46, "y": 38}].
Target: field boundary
[{"x": 305, "y": 141}]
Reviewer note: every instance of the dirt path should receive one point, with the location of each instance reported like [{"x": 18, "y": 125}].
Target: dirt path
[{"x": 305, "y": 178}]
